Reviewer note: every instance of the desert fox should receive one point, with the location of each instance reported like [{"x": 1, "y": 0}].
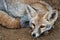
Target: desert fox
[
  {"x": 38, "y": 14},
  {"x": 42, "y": 17}
]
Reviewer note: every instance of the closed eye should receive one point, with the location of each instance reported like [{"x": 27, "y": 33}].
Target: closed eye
[
  {"x": 33, "y": 24},
  {"x": 42, "y": 26}
]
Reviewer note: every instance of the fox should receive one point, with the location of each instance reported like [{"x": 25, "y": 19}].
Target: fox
[
  {"x": 39, "y": 15},
  {"x": 42, "y": 18},
  {"x": 14, "y": 10}
]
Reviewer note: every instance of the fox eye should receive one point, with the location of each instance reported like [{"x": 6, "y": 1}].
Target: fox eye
[
  {"x": 42, "y": 26},
  {"x": 33, "y": 24}
]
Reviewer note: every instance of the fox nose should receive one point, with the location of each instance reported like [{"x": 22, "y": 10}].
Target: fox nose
[{"x": 33, "y": 35}]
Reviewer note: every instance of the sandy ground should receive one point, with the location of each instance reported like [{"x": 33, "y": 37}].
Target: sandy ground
[{"x": 24, "y": 33}]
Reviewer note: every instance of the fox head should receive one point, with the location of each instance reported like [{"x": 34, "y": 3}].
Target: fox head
[{"x": 41, "y": 22}]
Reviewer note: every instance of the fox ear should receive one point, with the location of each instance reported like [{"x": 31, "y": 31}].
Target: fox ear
[
  {"x": 31, "y": 12},
  {"x": 52, "y": 17}
]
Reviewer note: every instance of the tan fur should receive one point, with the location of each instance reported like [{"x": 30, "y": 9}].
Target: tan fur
[
  {"x": 17, "y": 8},
  {"x": 38, "y": 13},
  {"x": 8, "y": 21},
  {"x": 22, "y": 1}
]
